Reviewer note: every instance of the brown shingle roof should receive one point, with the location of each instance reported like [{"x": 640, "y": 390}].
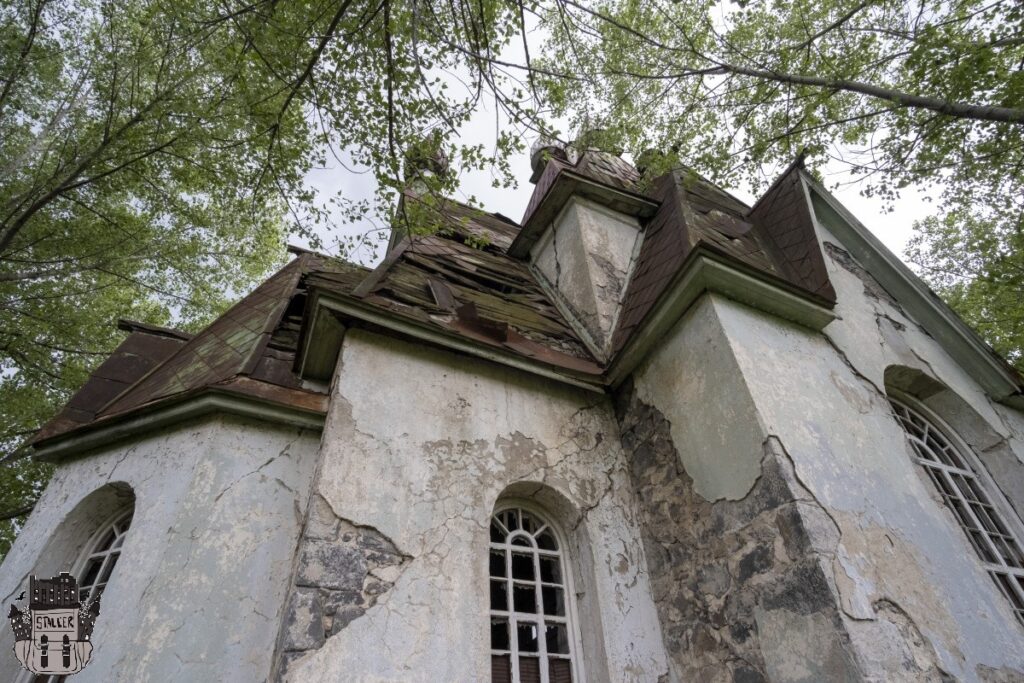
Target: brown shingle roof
[
  {"x": 249, "y": 349},
  {"x": 479, "y": 294},
  {"x": 139, "y": 353},
  {"x": 462, "y": 282},
  {"x": 776, "y": 237}
]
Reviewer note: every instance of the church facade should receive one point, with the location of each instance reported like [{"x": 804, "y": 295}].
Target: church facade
[{"x": 647, "y": 433}]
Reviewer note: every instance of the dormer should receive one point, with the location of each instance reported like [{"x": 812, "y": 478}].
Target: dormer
[{"x": 582, "y": 232}]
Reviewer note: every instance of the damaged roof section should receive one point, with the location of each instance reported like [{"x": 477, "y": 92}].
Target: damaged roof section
[
  {"x": 481, "y": 295},
  {"x": 469, "y": 285},
  {"x": 249, "y": 350}
]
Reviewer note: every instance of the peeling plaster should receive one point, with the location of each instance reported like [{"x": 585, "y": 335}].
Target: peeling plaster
[
  {"x": 913, "y": 593},
  {"x": 694, "y": 379},
  {"x": 203, "y": 572},
  {"x": 430, "y": 487}
]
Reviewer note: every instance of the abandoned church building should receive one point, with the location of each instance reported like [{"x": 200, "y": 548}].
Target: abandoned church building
[{"x": 648, "y": 433}]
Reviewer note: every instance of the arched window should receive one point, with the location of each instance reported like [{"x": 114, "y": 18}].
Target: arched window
[
  {"x": 532, "y": 634},
  {"x": 94, "y": 567},
  {"x": 952, "y": 469}
]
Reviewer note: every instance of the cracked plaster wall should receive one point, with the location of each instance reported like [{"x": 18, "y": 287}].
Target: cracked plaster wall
[
  {"x": 914, "y": 596},
  {"x": 733, "y": 538},
  {"x": 587, "y": 256},
  {"x": 199, "y": 590},
  {"x": 418, "y": 447}
]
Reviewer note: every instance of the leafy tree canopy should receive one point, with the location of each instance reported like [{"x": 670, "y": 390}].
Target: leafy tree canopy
[{"x": 153, "y": 151}]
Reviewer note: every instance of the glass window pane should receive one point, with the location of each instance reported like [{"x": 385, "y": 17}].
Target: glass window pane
[
  {"x": 92, "y": 571},
  {"x": 530, "y": 525},
  {"x": 522, "y": 566},
  {"x": 527, "y": 636},
  {"x": 546, "y": 540},
  {"x": 524, "y": 598},
  {"x": 554, "y": 601},
  {"x": 522, "y": 540},
  {"x": 108, "y": 567},
  {"x": 497, "y": 533},
  {"x": 550, "y": 569},
  {"x": 512, "y": 520},
  {"x": 499, "y": 595}
]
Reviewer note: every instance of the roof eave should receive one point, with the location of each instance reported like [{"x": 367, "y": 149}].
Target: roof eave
[
  {"x": 209, "y": 400},
  {"x": 348, "y": 308},
  {"x": 707, "y": 270}
]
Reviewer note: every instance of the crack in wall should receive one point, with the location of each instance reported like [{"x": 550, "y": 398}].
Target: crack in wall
[
  {"x": 722, "y": 572},
  {"x": 344, "y": 568}
]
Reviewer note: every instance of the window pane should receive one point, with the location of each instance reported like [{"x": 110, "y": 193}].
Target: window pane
[
  {"x": 522, "y": 566},
  {"x": 108, "y": 567},
  {"x": 501, "y": 669},
  {"x": 497, "y": 533},
  {"x": 1006, "y": 584},
  {"x": 557, "y": 639},
  {"x": 529, "y": 670},
  {"x": 511, "y": 520},
  {"x": 497, "y": 563},
  {"x": 92, "y": 571},
  {"x": 550, "y": 571},
  {"x": 554, "y": 601},
  {"x": 499, "y": 634},
  {"x": 108, "y": 539},
  {"x": 526, "y": 636},
  {"x": 522, "y": 540},
  {"x": 499, "y": 596},
  {"x": 546, "y": 541},
  {"x": 524, "y": 597},
  {"x": 559, "y": 671},
  {"x": 530, "y": 525}
]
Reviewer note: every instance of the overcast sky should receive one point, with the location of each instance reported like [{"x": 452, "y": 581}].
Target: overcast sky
[{"x": 894, "y": 229}]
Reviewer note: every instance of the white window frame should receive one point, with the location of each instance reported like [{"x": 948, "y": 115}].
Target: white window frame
[
  {"x": 1002, "y": 514},
  {"x": 571, "y": 618},
  {"x": 89, "y": 552}
]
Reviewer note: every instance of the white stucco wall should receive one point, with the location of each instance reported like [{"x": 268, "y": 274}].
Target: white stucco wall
[
  {"x": 419, "y": 445},
  {"x": 693, "y": 378},
  {"x": 909, "y": 582},
  {"x": 587, "y": 254},
  {"x": 198, "y": 592}
]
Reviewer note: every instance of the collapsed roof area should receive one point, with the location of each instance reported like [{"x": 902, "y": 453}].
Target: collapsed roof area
[{"x": 470, "y": 286}]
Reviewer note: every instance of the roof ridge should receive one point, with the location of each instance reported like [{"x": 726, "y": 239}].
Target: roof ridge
[{"x": 797, "y": 163}]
